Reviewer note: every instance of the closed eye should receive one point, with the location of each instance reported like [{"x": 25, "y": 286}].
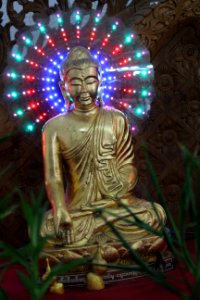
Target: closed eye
[
  {"x": 76, "y": 84},
  {"x": 91, "y": 80}
]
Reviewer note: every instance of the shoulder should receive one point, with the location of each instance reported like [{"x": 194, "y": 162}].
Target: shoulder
[
  {"x": 54, "y": 123},
  {"x": 116, "y": 114}
]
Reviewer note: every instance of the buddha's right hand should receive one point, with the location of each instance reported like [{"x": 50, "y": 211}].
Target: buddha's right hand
[{"x": 63, "y": 225}]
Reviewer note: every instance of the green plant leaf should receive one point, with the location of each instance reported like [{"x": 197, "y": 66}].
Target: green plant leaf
[
  {"x": 31, "y": 285},
  {"x": 14, "y": 254},
  {"x": 59, "y": 270},
  {"x": 26, "y": 281},
  {"x": 3, "y": 295},
  {"x": 6, "y": 169},
  {"x": 4, "y": 138},
  {"x": 132, "y": 252},
  {"x": 6, "y": 207}
]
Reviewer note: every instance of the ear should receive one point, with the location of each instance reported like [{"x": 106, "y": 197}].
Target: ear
[
  {"x": 63, "y": 89},
  {"x": 99, "y": 78},
  {"x": 99, "y": 87}
]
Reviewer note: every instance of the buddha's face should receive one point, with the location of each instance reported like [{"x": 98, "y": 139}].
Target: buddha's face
[{"x": 82, "y": 84}]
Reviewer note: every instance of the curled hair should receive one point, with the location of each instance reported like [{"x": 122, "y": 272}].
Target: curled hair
[{"x": 76, "y": 58}]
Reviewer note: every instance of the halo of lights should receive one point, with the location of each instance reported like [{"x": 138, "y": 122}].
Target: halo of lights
[{"x": 32, "y": 74}]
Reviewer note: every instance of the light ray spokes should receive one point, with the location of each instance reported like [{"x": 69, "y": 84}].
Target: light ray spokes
[{"x": 33, "y": 71}]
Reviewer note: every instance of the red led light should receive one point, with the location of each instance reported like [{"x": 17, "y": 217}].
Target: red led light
[
  {"x": 116, "y": 50},
  {"x": 122, "y": 60},
  {"x": 40, "y": 51},
  {"x": 30, "y": 77},
  {"x": 64, "y": 35},
  {"x": 105, "y": 40},
  {"x": 29, "y": 92}
]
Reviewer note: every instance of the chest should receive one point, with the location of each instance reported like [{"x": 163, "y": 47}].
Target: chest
[
  {"x": 73, "y": 132},
  {"x": 87, "y": 131}
]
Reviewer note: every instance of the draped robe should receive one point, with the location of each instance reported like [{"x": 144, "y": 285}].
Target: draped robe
[{"x": 101, "y": 173}]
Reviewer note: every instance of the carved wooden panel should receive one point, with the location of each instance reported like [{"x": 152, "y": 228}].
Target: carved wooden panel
[
  {"x": 165, "y": 20},
  {"x": 174, "y": 117},
  {"x": 171, "y": 33}
]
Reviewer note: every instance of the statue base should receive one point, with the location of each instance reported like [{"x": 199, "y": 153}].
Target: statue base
[
  {"x": 111, "y": 276},
  {"x": 163, "y": 262}
]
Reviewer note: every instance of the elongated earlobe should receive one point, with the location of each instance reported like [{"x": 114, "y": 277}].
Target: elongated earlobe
[
  {"x": 63, "y": 89},
  {"x": 65, "y": 95},
  {"x": 99, "y": 99}
]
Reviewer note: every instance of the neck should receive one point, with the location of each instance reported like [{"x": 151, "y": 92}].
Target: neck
[{"x": 90, "y": 108}]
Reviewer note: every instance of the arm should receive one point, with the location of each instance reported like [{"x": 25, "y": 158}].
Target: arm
[
  {"x": 54, "y": 179},
  {"x": 125, "y": 153}
]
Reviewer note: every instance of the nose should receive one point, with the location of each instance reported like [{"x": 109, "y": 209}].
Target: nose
[{"x": 84, "y": 87}]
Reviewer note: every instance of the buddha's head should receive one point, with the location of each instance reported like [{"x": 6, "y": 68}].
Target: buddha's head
[{"x": 80, "y": 77}]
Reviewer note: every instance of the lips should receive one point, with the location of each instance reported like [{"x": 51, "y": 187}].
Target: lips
[{"x": 84, "y": 99}]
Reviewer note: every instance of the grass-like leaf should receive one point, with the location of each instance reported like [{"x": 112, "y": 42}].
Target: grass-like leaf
[
  {"x": 61, "y": 269},
  {"x": 3, "y": 295},
  {"x": 13, "y": 253},
  {"x": 8, "y": 167},
  {"x": 6, "y": 206}
]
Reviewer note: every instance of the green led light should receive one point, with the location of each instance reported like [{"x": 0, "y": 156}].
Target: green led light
[
  {"x": 114, "y": 27},
  {"x": 14, "y": 94},
  {"x": 29, "y": 127},
  {"x": 96, "y": 19},
  {"x": 42, "y": 28},
  {"x": 144, "y": 93},
  {"x": 28, "y": 41},
  {"x": 138, "y": 55},
  {"x": 78, "y": 17},
  {"x": 13, "y": 75},
  {"x": 144, "y": 73},
  {"x": 20, "y": 112},
  {"x": 60, "y": 20},
  {"x": 128, "y": 39},
  {"x": 139, "y": 111},
  {"x": 18, "y": 57}
]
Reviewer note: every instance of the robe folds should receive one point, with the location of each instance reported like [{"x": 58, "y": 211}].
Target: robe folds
[{"x": 101, "y": 175}]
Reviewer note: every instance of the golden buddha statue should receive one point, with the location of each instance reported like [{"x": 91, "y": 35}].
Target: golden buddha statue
[{"x": 89, "y": 164}]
